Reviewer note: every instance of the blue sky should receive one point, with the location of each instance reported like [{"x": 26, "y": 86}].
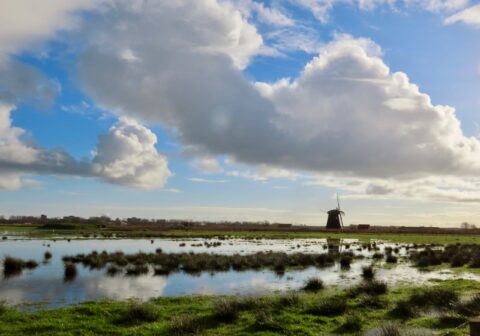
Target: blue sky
[{"x": 105, "y": 140}]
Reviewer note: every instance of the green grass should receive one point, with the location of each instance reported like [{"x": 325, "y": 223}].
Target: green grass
[
  {"x": 17, "y": 228},
  {"x": 129, "y": 232},
  {"x": 269, "y": 315},
  {"x": 397, "y": 237}
]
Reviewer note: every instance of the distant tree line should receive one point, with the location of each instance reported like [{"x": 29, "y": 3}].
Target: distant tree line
[{"x": 131, "y": 221}]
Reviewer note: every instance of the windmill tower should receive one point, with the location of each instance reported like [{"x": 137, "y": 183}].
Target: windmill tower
[{"x": 335, "y": 220}]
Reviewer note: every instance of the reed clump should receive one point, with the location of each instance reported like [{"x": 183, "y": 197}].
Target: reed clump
[
  {"x": 14, "y": 266},
  {"x": 313, "y": 284}
]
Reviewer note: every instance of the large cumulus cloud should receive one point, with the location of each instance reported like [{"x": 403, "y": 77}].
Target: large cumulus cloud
[
  {"x": 347, "y": 113},
  {"x": 351, "y": 114}
]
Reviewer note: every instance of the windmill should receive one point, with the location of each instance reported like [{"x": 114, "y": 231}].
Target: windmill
[{"x": 335, "y": 220}]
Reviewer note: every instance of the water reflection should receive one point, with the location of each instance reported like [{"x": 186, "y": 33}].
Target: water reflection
[{"x": 53, "y": 283}]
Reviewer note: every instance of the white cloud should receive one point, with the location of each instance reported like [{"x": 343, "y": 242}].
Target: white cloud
[
  {"x": 439, "y": 5},
  {"x": 20, "y": 157},
  {"x": 273, "y": 15},
  {"x": 24, "y": 23},
  {"x": 346, "y": 113},
  {"x": 350, "y": 114},
  {"x": 469, "y": 16},
  {"x": 13, "y": 181},
  {"x": 263, "y": 173},
  {"x": 12, "y": 149},
  {"x": 433, "y": 188},
  {"x": 321, "y": 8},
  {"x": 204, "y": 180},
  {"x": 208, "y": 165},
  {"x": 126, "y": 155},
  {"x": 20, "y": 82}
]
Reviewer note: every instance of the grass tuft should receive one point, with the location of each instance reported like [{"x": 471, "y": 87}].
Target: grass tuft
[
  {"x": 226, "y": 310},
  {"x": 183, "y": 325},
  {"x": 329, "y": 306},
  {"x": 313, "y": 284},
  {"x": 352, "y": 324},
  {"x": 368, "y": 273},
  {"x": 138, "y": 313}
]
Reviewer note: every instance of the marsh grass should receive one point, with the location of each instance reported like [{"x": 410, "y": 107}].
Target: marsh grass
[
  {"x": 438, "y": 298},
  {"x": 137, "y": 313},
  {"x": 313, "y": 284},
  {"x": 136, "y": 270},
  {"x": 264, "y": 321},
  {"x": 70, "y": 272},
  {"x": 183, "y": 325},
  {"x": 368, "y": 272},
  {"x": 403, "y": 309},
  {"x": 391, "y": 259},
  {"x": 373, "y": 287},
  {"x": 345, "y": 261},
  {"x": 390, "y": 329},
  {"x": 329, "y": 306},
  {"x": 352, "y": 324},
  {"x": 226, "y": 310},
  {"x": 194, "y": 263},
  {"x": 47, "y": 255},
  {"x": 31, "y": 264},
  {"x": 113, "y": 270},
  {"x": 469, "y": 307},
  {"x": 289, "y": 299},
  {"x": 12, "y": 266},
  {"x": 370, "y": 301}
]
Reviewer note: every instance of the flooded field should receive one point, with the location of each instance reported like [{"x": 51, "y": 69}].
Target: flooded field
[{"x": 47, "y": 284}]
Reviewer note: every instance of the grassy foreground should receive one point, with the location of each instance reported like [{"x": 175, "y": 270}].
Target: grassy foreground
[{"x": 328, "y": 311}]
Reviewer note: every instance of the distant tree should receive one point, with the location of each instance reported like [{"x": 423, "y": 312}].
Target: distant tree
[{"x": 466, "y": 225}]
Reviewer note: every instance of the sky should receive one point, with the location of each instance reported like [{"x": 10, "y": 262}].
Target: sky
[{"x": 241, "y": 110}]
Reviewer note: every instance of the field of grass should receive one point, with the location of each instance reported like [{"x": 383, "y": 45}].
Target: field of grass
[
  {"x": 18, "y": 228},
  {"x": 301, "y": 313},
  {"x": 396, "y": 238},
  {"x": 76, "y": 230}
]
